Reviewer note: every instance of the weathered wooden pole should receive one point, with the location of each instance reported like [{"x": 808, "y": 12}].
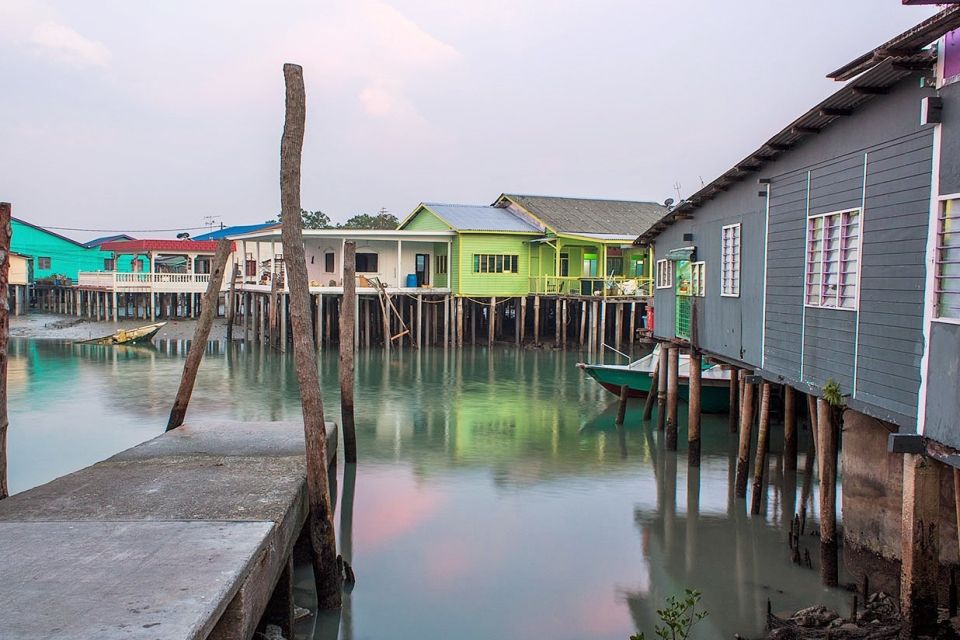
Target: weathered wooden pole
[
  {"x": 673, "y": 397},
  {"x": 662, "y": 387},
  {"x": 622, "y": 407},
  {"x": 536, "y": 320},
  {"x": 746, "y": 428},
  {"x": 200, "y": 336},
  {"x": 734, "y": 400},
  {"x": 693, "y": 409},
  {"x": 231, "y": 302},
  {"x": 920, "y": 546},
  {"x": 348, "y": 319},
  {"x": 652, "y": 394},
  {"x": 827, "y": 450},
  {"x": 760, "y": 462},
  {"x": 563, "y": 323},
  {"x": 459, "y": 321},
  {"x": 789, "y": 429},
  {"x": 6, "y": 232},
  {"x": 322, "y": 535},
  {"x": 523, "y": 319},
  {"x": 491, "y": 320},
  {"x": 583, "y": 320}
]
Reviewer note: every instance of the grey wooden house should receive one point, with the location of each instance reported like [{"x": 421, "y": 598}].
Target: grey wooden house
[{"x": 830, "y": 255}]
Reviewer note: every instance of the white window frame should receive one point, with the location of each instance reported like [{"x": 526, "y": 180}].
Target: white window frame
[
  {"x": 664, "y": 274},
  {"x": 730, "y": 264},
  {"x": 833, "y": 301},
  {"x": 938, "y": 253},
  {"x": 698, "y": 279}
]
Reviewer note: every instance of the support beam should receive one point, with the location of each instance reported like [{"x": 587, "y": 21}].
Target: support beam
[
  {"x": 693, "y": 410},
  {"x": 673, "y": 397},
  {"x": 536, "y": 320},
  {"x": 827, "y": 450},
  {"x": 760, "y": 462},
  {"x": 920, "y": 543},
  {"x": 491, "y": 320},
  {"x": 789, "y": 429},
  {"x": 622, "y": 407},
  {"x": 662, "y": 387},
  {"x": 734, "y": 400},
  {"x": 652, "y": 394},
  {"x": 746, "y": 427},
  {"x": 348, "y": 321}
]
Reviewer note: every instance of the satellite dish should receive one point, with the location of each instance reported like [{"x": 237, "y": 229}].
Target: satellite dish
[
  {"x": 668, "y": 202},
  {"x": 183, "y": 236}
]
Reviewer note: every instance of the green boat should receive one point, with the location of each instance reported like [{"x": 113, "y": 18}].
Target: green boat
[{"x": 638, "y": 377}]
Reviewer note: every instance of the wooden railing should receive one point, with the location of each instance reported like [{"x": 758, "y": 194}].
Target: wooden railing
[
  {"x": 611, "y": 286},
  {"x": 142, "y": 281}
]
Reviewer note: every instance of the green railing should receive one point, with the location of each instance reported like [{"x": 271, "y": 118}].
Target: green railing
[
  {"x": 611, "y": 286},
  {"x": 683, "y": 316}
]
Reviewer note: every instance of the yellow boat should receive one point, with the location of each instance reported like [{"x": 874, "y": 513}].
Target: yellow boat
[{"x": 129, "y": 336}]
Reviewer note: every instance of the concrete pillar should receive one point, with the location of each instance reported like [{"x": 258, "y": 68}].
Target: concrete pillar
[{"x": 920, "y": 540}]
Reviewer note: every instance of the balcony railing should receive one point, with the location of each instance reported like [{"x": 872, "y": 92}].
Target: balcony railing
[
  {"x": 611, "y": 286},
  {"x": 142, "y": 281}
]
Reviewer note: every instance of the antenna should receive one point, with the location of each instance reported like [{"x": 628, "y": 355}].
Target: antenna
[
  {"x": 211, "y": 221},
  {"x": 676, "y": 187},
  {"x": 383, "y": 211}
]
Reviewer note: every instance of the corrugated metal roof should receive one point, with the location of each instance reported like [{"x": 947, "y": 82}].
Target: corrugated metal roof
[
  {"x": 907, "y": 43},
  {"x": 875, "y": 82},
  {"x": 140, "y": 246},
  {"x": 468, "y": 217},
  {"x": 235, "y": 230},
  {"x": 588, "y": 215},
  {"x": 96, "y": 242}
]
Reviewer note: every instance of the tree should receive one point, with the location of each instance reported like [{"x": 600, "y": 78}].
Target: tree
[
  {"x": 311, "y": 219},
  {"x": 381, "y": 220}
]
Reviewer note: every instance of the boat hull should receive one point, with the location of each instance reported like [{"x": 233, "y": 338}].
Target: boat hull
[
  {"x": 130, "y": 336},
  {"x": 714, "y": 398}
]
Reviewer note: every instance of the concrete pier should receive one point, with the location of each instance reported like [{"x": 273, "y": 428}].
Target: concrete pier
[{"x": 182, "y": 537}]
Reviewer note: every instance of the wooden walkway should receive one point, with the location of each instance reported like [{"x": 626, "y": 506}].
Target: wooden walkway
[{"x": 182, "y": 537}]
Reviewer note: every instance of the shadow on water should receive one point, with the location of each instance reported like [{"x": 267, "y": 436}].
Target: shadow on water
[{"x": 494, "y": 497}]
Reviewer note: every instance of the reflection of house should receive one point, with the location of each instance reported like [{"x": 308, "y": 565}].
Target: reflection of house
[{"x": 19, "y": 282}]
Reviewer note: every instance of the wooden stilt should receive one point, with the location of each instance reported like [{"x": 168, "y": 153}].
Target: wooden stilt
[
  {"x": 582, "y": 310},
  {"x": 536, "y": 320},
  {"x": 920, "y": 542},
  {"x": 633, "y": 322},
  {"x": 231, "y": 302},
  {"x": 474, "y": 310},
  {"x": 322, "y": 534},
  {"x": 200, "y": 336},
  {"x": 603, "y": 328},
  {"x": 693, "y": 410},
  {"x": 523, "y": 319},
  {"x": 734, "y": 400},
  {"x": 492, "y": 320},
  {"x": 617, "y": 324},
  {"x": 760, "y": 462},
  {"x": 652, "y": 394},
  {"x": 673, "y": 397},
  {"x": 459, "y": 321},
  {"x": 789, "y": 429},
  {"x": 622, "y": 408},
  {"x": 746, "y": 429},
  {"x": 827, "y": 449},
  {"x": 563, "y": 323},
  {"x": 6, "y": 232},
  {"x": 348, "y": 320},
  {"x": 282, "y": 302},
  {"x": 419, "y": 320},
  {"x": 662, "y": 387},
  {"x": 556, "y": 321}
]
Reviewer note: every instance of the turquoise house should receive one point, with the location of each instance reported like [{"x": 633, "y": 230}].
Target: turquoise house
[{"x": 57, "y": 255}]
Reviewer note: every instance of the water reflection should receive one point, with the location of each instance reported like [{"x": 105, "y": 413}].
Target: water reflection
[{"x": 494, "y": 497}]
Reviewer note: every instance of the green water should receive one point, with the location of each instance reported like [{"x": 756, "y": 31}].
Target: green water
[{"x": 494, "y": 498}]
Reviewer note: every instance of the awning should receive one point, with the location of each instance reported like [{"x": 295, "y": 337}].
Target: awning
[{"x": 683, "y": 253}]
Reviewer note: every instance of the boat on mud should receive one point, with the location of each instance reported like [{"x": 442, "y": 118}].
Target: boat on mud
[
  {"x": 129, "y": 336},
  {"x": 638, "y": 377}
]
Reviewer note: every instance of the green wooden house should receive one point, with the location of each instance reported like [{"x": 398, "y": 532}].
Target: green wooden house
[
  {"x": 57, "y": 255},
  {"x": 525, "y": 245}
]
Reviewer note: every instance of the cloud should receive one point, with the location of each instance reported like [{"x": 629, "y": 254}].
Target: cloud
[
  {"x": 33, "y": 26},
  {"x": 63, "y": 43}
]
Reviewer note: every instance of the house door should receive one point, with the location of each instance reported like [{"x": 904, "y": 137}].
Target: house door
[
  {"x": 422, "y": 268},
  {"x": 684, "y": 291}
]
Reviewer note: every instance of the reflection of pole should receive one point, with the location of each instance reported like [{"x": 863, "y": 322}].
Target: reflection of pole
[
  {"x": 670, "y": 498},
  {"x": 693, "y": 516}
]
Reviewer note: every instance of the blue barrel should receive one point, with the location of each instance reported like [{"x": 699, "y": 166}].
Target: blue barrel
[{"x": 411, "y": 280}]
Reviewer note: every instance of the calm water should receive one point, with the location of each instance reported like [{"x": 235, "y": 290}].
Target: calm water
[{"x": 494, "y": 497}]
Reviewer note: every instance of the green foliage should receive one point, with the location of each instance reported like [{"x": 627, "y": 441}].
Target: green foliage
[
  {"x": 386, "y": 221},
  {"x": 678, "y": 617},
  {"x": 831, "y": 393},
  {"x": 311, "y": 219}
]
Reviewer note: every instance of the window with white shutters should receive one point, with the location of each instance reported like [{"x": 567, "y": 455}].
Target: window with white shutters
[
  {"x": 664, "y": 274},
  {"x": 698, "y": 285},
  {"x": 730, "y": 261},
  {"x": 833, "y": 260},
  {"x": 948, "y": 260}
]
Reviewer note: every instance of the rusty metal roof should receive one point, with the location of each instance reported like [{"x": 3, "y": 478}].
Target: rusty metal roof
[
  {"x": 875, "y": 82},
  {"x": 911, "y": 41}
]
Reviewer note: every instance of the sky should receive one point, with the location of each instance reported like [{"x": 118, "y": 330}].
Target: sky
[{"x": 132, "y": 116}]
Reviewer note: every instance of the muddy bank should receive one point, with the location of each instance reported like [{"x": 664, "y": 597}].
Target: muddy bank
[{"x": 59, "y": 327}]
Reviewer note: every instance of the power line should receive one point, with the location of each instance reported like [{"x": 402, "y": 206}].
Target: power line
[{"x": 125, "y": 230}]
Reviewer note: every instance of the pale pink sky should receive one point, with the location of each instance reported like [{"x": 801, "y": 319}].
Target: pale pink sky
[{"x": 136, "y": 115}]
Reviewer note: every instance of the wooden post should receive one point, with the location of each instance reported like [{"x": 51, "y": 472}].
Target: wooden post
[
  {"x": 200, "y": 336},
  {"x": 231, "y": 302},
  {"x": 652, "y": 394},
  {"x": 617, "y": 324},
  {"x": 459, "y": 321},
  {"x": 789, "y": 429},
  {"x": 6, "y": 231},
  {"x": 446, "y": 321},
  {"x": 603, "y": 328},
  {"x": 622, "y": 408},
  {"x": 693, "y": 409},
  {"x": 348, "y": 319},
  {"x": 827, "y": 457},
  {"x": 746, "y": 428},
  {"x": 282, "y": 302},
  {"x": 760, "y": 462},
  {"x": 491, "y": 320},
  {"x": 322, "y": 533},
  {"x": 116, "y": 312},
  {"x": 563, "y": 323},
  {"x": 419, "y": 321},
  {"x": 673, "y": 397},
  {"x": 523, "y": 319},
  {"x": 536, "y": 320},
  {"x": 920, "y": 543},
  {"x": 633, "y": 322},
  {"x": 662, "y": 388},
  {"x": 734, "y": 417},
  {"x": 592, "y": 340}
]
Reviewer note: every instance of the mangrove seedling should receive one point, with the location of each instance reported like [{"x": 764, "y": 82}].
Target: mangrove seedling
[{"x": 678, "y": 617}]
